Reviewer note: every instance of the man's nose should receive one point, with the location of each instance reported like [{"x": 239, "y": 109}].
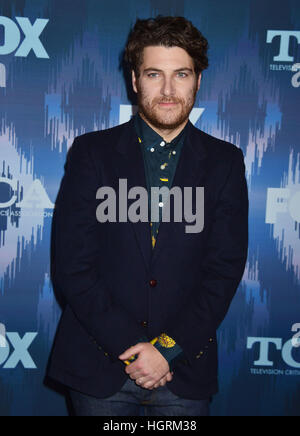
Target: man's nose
[{"x": 168, "y": 87}]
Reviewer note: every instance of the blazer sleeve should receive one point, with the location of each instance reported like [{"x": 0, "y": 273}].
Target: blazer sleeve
[
  {"x": 222, "y": 269},
  {"x": 75, "y": 247}
]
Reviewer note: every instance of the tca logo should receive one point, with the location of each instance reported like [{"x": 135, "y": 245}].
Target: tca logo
[
  {"x": 35, "y": 198},
  {"x": 286, "y": 348},
  {"x": 20, "y": 352},
  {"x": 284, "y": 43},
  {"x": 12, "y": 37},
  {"x": 285, "y": 38}
]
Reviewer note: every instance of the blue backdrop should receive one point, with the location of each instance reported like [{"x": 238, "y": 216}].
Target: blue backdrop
[{"x": 60, "y": 76}]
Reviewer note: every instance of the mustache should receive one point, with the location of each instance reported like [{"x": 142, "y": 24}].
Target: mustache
[{"x": 168, "y": 101}]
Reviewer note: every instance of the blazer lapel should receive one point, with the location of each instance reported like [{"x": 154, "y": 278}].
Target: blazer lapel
[{"x": 130, "y": 166}]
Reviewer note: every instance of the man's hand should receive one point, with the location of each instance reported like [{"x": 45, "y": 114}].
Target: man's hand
[
  {"x": 164, "y": 380},
  {"x": 150, "y": 369}
]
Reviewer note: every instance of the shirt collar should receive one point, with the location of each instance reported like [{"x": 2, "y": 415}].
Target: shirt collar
[{"x": 149, "y": 137}]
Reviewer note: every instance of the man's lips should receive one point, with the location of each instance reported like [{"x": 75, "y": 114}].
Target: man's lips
[{"x": 167, "y": 104}]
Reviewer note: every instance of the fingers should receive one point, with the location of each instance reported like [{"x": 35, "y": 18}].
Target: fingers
[
  {"x": 160, "y": 383},
  {"x": 144, "y": 382},
  {"x": 167, "y": 378},
  {"x": 135, "y": 376},
  {"x": 136, "y": 349}
]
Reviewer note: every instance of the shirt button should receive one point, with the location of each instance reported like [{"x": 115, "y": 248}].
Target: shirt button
[
  {"x": 199, "y": 355},
  {"x": 160, "y": 204},
  {"x": 173, "y": 152},
  {"x": 162, "y": 143},
  {"x": 152, "y": 149},
  {"x": 162, "y": 167},
  {"x": 152, "y": 283}
]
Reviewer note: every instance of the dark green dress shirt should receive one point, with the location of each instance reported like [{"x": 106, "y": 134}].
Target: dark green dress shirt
[{"x": 160, "y": 161}]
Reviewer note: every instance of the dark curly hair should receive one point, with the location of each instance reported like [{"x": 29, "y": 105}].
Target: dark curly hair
[{"x": 167, "y": 32}]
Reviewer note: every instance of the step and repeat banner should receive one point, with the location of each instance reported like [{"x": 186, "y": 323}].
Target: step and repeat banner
[{"x": 61, "y": 76}]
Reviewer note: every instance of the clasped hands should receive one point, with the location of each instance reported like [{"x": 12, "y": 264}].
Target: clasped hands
[{"x": 150, "y": 369}]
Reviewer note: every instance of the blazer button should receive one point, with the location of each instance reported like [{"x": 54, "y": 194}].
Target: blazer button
[{"x": 152, "y": 283}]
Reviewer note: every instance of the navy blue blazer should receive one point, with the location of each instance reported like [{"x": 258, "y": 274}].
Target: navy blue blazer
[{"x": 115, "y": 289}]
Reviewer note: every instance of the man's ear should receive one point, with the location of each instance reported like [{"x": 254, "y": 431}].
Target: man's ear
[
  {"x": 133, "y": 79},
  {"x": 199, "y": 81}
]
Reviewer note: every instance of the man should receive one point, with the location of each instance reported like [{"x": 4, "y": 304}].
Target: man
[{"x": 143, "y": 300}]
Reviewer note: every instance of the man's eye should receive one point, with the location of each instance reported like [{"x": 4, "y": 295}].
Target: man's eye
[
  {"x": 181, "y": 74},
  {"x": 152, "y": 74}
]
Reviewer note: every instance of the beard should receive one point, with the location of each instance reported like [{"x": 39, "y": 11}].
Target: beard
[{"x": 165, "y": 118}]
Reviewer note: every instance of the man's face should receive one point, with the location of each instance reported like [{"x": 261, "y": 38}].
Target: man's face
[{"x": 167, "y": 86}]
